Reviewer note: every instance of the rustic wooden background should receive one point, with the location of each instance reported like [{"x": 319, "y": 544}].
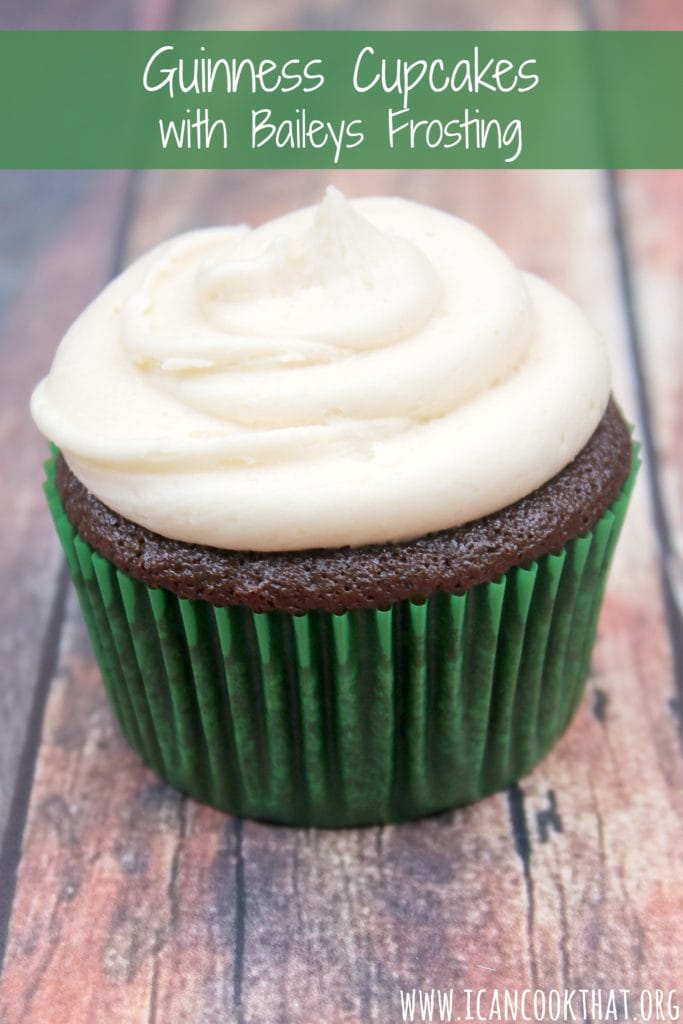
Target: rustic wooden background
[{"x": 121, "y": 901}]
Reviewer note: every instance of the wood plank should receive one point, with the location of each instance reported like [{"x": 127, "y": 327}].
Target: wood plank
[
  {"x": 59, "y": 230},
  {"x": 174, "y": 912},
  {"x": 60, "y": 233},
  {"x": 400, "y": 15},
  {"x": 52, "y": 226},
  {"x": 305, "y": 926},
  {"x": 647, "y": 209},
  {"x": 60, "y": 15},
  {"x": 647, "y": 15}
]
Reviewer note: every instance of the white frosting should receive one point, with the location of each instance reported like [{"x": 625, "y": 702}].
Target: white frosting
[{"x": 359, "y": 372}]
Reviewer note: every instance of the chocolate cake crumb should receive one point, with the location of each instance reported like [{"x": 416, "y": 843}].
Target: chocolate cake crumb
[{"x": 374, "y": 576}]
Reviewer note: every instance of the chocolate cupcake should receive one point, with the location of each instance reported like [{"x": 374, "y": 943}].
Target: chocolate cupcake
[{"x": 339, "y": 496}]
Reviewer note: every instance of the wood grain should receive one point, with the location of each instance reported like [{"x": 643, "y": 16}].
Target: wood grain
[
  {"x": 49, "y": 263},
  {"x": 652, "y": 208},
  {"x": 62, "y": 239},
  {"x": 53, "y": 269},
  {"x": 134, "y": 904},
  {"x": 400, "y": 15},
  {"x": 647, "y": 213},
  {"x": 539, "y": 886},
  {"x": 633, "y": 15}
]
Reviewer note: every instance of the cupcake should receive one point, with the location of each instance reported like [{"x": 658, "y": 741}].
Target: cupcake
[{"x": 339, "y": 496}]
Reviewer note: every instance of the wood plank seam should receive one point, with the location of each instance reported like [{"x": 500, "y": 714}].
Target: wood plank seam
[
  {"x": 587, "y": 901},
  {"x": 522, "y": 842},
  {"x": 660, "y": 520},
  {"x": 669, "y": 571},
  {"x": 240, "y": 921},
  {"x": 12, "y": 841},
  {"x": 588, "y": 15},
  {"x": 10, "y": 852}
]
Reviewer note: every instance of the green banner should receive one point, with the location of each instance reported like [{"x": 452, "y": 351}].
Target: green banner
[{"x": 341, "y": 99}]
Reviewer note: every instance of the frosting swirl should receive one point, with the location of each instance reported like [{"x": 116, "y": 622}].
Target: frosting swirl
[{"x": 360, "y": 372}]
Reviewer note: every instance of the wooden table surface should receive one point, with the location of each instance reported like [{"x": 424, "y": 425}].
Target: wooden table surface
[{"x": 121, "y": 901}]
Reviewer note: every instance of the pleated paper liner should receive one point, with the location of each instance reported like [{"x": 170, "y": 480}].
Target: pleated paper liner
[{"x": 362, "y": 718}]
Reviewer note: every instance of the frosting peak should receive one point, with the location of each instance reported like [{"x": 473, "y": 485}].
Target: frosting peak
[
  {"x": 280, "y": 289},
  {"x": 359, "y": 372}
]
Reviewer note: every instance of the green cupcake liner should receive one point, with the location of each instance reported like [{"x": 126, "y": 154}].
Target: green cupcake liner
[{"x": 367, "y": 717}]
